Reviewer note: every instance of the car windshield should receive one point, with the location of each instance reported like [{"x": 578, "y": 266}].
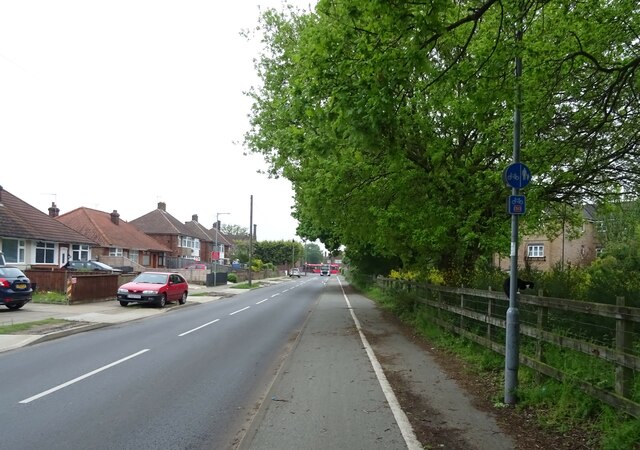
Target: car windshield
[
  {"x": 101, "y": 265},
  {"x": 154, "y": 278}
]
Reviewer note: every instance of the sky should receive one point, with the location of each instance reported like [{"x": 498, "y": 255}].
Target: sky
[{"x": 121, "y": 104}]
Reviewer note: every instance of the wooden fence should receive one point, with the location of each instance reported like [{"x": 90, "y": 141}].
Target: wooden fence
[{"x": 606, "y": 335}]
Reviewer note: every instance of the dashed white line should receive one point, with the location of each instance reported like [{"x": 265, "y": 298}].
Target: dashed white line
[
  {"x": 240, "y": 310},
  {"x": 262, "y": 301},
  {"x": 197, "y": 328},
  {"x": 275, "y": 295},
  {"x": 82, "y": 377}
]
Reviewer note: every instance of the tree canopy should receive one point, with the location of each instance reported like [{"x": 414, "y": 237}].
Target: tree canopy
[{"x": 394, "y": 119}]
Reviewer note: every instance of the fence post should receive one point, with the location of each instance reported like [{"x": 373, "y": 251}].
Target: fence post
[
  {"x": 543, "y": 314},
  {"x": 462, "y": 307},
  {"x": 624, "y": 375},
  {"x": 489, "y": 315}
]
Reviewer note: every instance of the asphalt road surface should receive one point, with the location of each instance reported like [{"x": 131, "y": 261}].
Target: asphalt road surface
[{"x": 187, "y": 379}]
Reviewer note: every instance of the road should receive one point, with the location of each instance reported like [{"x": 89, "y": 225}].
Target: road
[{"x": 188, "y": 379}]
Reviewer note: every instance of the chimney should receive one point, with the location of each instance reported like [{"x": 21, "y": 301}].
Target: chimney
[
  {"x": 162, "y": 206},
  {"x": 54, "y": 211},
  {"x": 115, "y": 217},
  {"x": 194, "y": 217}
]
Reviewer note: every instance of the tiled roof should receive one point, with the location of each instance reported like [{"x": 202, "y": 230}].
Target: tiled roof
[
  {"x": 159, "y": 221},
  {"x": 99, "y": 226},
  {"x": 222, "y": 239},
  {"x": 197, "y": 230},
  {"x": 18, "y": 219}
]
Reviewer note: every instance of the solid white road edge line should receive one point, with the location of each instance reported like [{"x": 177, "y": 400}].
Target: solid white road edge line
[
  {"x": 197, "y": 328},
  {"x": 82, "y": 377},
  {"x": 240, "y": 310},
  {"x": 401, "y": 418}
]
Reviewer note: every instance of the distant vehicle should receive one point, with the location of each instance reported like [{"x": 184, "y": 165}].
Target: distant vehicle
[
  {"x": 325, "y": 270},
  {"x": 15, "y": 288},
  {"x": 90, "y": 266},
  {"x": 295, "y": 272},
  {"x": 157, "y": 288},
  {"x": 197, "y": 267}
]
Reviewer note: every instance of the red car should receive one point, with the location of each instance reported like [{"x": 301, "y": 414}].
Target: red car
[
  {"x": 197, "y": 266},
  {"x": 156, "y": 288}
]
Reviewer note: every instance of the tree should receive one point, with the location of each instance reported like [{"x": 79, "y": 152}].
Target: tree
[
  {"x": 234, "y": 230},
  {"x": 313, "y": 253},
  {"x": 278, "y": 253},
  {"x": 393, "y": 120}
]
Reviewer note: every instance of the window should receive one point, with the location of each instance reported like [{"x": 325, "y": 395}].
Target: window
[
  {"x": 13, "y": 250},
  {"x": 114, "y": 251},
  {"x": 45, "y": 252},
  {"x": 79, "y": 252},
  {"x": 535, "y": 251},
  {"x": 133, "y": 255}
]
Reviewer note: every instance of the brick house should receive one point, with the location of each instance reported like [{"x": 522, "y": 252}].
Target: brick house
[
  {"x": 30, "y": 238},
  {"x": 208, "y": 240},
  {"x": 181, "y": 240},
  {"x": 120, "y": 243},
  {"x": 539, "y": 252}
]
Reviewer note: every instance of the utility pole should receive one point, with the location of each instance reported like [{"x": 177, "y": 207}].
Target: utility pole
[
  {"x": 216, "y": 248},
  {"x": 250, "y": 236}
]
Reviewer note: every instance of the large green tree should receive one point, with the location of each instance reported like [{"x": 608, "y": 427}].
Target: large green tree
[{"x": 393, "y": 119}]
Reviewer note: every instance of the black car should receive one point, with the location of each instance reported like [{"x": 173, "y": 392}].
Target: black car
[
  {"x": 15, "y": 288},
  {"x": 90, "y": 266}
]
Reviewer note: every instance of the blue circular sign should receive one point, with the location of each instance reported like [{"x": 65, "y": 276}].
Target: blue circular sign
[{"x": 517, "y": 175}]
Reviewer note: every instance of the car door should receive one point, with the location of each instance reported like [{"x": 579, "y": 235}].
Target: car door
[{"x": 175, "y": 287}]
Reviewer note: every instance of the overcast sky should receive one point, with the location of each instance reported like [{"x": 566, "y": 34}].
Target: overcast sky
[{"x": 121, "y": 104}]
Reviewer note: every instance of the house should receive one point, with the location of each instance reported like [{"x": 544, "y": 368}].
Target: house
[
  {"x": 577, "y": 248},
  {"x": 182, "y": 241},
  {"x": 30, "y": 238},
  {"x": 225, "y": 244},
  {"x": 120, "y": 243},
  {"x": 208, "y": 241}
]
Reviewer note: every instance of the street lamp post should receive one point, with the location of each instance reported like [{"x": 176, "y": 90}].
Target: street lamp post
[{"x": 216, "y": 249}]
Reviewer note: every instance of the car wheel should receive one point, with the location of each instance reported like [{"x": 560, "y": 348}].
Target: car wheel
[
  {"x": 162, "y": 301},
  {"x": 15, "y": 305},
  {"x": 183, "y": 299},
  {"x": 123, "y": 303}
]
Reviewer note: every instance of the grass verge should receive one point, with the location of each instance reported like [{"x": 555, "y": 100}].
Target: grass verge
[{"x": 20, "y": 327}]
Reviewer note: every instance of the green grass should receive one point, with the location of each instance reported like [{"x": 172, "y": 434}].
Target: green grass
[
  {"x": 19, "y": 327},
  {"x": 50, "y": 297},
  {"x": 246, "y": 286}
]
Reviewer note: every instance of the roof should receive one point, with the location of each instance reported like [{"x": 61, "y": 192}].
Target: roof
[
  {"x": 18, "y": 219},
  {"x": 197, "y": 230},
  {"x": 100, "y": 226},
  {"x": 222, "y": 239},
  {"x": 160, "y": 221}
]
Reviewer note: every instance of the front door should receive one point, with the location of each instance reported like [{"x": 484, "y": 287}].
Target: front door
[{"x": 63, "y": 256}]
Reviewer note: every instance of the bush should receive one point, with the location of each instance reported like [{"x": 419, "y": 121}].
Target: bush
[{"x": 232, "y": 278}]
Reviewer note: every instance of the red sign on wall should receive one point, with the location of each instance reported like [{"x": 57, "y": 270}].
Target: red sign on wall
[{"x": 215, "y": 255}]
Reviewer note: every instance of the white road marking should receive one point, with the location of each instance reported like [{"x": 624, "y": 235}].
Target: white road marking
[
  {"x": 197, "y": 328},
  {"x": 262, "y": 301},
  {"x": 275, "y": 295},
  {"x": 401, "y": 418},
  {"x": 240, "y": 310},
  {"x": 82, "y": 377}
]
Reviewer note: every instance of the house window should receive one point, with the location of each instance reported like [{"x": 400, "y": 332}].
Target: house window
[
  {"x": 79, "y": 252},
  {"x": 146, "y": 260},
  {"x": 114, "y": 251},
  {"x": 133, "y": 255},
  {"x": 45, "y": 252},
  {"x": 14, "y": 250},
  {"x": 535, "y": 251}
]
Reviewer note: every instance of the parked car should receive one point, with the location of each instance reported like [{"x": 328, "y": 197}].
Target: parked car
[
  {"x": 197, "y": 267},
  {"x": 157, "y": 288},
  {"x": 295, "y": 272},
  {"x": 15, "y": 288},
  {"x": 90, "y": 266}
]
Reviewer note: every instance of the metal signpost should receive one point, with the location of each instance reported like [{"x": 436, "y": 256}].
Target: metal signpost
[{"x": 216, "y": 250}]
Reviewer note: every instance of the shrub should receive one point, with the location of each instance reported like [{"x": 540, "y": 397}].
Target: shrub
[{"x": 232, "y": 278}]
